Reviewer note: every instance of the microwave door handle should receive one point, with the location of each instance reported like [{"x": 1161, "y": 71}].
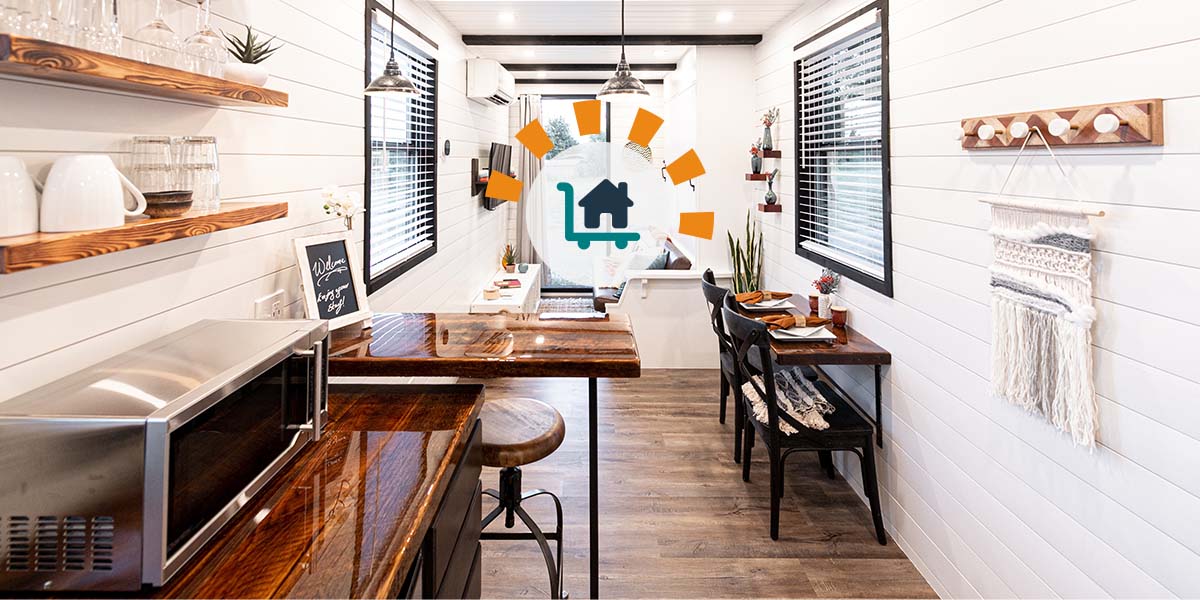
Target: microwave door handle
[
  {"x": 319, "y": 389},
  {"x": 317, "y": 353}
]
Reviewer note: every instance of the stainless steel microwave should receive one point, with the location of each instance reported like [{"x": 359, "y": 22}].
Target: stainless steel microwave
[{"x": 117, "y": 475}]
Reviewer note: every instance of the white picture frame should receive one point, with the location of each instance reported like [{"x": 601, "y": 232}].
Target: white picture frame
[{"x": 312, "y": 309}]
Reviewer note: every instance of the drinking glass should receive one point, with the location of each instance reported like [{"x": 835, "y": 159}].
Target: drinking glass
[
  {"x": 199, "y": 171},
  {"x": 154, "y": 168},
  {"x": 99, "y": 29},
  {"x": 156, "y": 41},
  {"x": 204, "y": 51},
  {"x": 63, "y": 22}
]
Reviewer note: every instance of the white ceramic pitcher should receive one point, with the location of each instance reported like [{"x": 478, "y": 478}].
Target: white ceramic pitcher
[
  {"x": 87, "y": 192},
  {"x": 18, "y": 198}
]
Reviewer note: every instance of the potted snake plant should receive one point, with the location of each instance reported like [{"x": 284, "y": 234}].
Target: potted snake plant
[{"x": 250, "y": 53}]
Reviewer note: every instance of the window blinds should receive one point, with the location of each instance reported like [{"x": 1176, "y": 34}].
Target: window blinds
[
  {"x": 839, "y": 181},
  {"x": 403, "y": 174}
]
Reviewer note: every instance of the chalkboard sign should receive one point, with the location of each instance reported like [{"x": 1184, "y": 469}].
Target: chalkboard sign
[{"x": 332, "y": 279}]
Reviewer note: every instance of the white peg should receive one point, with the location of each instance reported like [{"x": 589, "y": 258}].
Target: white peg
[
  {"x": 1108, "y": 123},
  {"x": 1018, "y": 129},
  {"x": 1060, "y": 126},
  {"x": 987, "y": 132}
]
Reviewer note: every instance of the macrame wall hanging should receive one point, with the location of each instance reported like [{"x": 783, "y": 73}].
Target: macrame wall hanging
[{"x": 1042, "y": 310}]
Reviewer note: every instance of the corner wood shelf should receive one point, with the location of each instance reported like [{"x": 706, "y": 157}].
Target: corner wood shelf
[
  {"x": 756, "y": 176},
  {"x": 38, "y": 59},
  {"x": 770, "y": 208},
  {"x": 772, "y": 153},
  {"x": 24, "y": 252}
]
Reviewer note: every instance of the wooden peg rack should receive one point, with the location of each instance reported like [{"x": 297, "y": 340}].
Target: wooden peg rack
[{"x": 1142, "y": 124}]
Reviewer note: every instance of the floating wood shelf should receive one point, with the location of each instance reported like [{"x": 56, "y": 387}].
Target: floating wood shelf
[
  {"x": 772, "y": 153},
  {"x": 770, "y": 208},
  {"x": 756, "y": 176},
  {"x": 24, "y": 252},
  {"x": 37, "y": 59}
]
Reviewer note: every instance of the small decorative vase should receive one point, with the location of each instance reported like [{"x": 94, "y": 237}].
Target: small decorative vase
[
  {"x": 768, "y": 143},
  {"x": 510, "y": 268},
  {"x": 523, "y": 267},
  {"x": 770, "y": 197},
  {"x": 249, "y": 73},
  {"x": 756, "y": 164},
  {"x": 824, "y": 305}
]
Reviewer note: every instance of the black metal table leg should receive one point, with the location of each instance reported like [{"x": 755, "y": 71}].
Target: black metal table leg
[
  {"x": 593, "y": 492},
  {"x": 878, "y": 406}
]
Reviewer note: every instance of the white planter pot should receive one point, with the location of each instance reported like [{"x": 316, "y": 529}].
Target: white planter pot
[
  {"x": 824, "y": 302},
  {"x": 252, "y": 74}
]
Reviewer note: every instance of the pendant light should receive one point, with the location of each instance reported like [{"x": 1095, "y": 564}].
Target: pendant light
[
  {"x": 392, "y": 82},
  {"x": 622, "y": 86}
]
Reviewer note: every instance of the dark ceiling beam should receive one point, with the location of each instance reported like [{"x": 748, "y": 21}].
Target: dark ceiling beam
[
  {"x": 611, "y": 40},
  {"x": 586, "y": 81},
  {"x": 586, "y": 67}
]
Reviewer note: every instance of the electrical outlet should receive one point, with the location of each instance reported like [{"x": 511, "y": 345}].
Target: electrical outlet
[{"x": 270, "y": 306}]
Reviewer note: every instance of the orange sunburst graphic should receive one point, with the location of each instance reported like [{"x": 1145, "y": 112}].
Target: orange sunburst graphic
[{"x": 645, "y": 125}]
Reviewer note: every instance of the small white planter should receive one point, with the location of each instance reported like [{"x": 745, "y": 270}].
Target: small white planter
[
  {"x": 824, "y": 303},
  {"x": 248, "y": 73}
]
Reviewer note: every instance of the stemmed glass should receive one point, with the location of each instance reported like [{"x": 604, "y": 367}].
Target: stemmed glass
[
  {"x": 157, "y": 42},
  {"x": 204, "y": 50}
]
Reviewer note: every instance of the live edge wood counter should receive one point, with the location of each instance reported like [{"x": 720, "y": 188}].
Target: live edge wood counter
[{"x": 347, "y": 517}]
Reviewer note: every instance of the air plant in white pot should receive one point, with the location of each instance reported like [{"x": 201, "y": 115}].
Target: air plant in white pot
[
  {"x": 343, "y": 203},
  {"x": 250, "y": 53}
]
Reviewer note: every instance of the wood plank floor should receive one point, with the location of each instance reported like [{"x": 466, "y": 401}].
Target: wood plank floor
[{"x": 677, "y": 521}]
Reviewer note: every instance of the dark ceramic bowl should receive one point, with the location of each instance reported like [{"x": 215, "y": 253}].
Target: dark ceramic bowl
[{"x": 167, "y": 204}]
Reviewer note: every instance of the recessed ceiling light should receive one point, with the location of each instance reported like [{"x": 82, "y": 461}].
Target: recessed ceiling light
[
  {"x": 725, "y": 16},
  {"x": 527, "y": 53},
  {"x": 541, "y": 74},
  {"x": 507, "y": 17}
]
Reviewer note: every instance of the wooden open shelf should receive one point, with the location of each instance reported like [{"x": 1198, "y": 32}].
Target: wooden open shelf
[
  {"x": 770, "y": 208},
  {"x": 756, "y": 176},
  {"x": 38, "y": 59},
  {"x": 772, "y": 153},
  {"x": 24, "y": 252}
]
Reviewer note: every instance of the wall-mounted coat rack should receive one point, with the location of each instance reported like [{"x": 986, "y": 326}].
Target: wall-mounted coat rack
[{"x": 1137, "y": 122}]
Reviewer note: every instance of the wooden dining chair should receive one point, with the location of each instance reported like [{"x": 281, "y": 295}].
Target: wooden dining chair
[
  {"x": 715, "y": 296},
  {"x": 849, "y": 430}
]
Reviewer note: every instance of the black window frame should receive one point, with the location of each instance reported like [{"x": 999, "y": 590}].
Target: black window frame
[
  {"x": 883, "y": 286},
  {"x": 377, "y": 282}
]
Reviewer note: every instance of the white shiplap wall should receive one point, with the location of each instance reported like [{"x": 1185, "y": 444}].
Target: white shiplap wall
[
  {"x": 58, "y": 319},
  {"x": 986, "y": 500}
]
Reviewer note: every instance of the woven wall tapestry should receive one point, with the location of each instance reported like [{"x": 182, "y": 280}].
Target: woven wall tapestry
[{"x": 1042, "y": 317}]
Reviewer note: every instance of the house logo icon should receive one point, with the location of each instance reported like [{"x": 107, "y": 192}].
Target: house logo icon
[{"x": 605, "y": 198}]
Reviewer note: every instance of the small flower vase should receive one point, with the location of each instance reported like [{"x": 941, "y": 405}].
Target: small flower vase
[
  {"x": 770, "y": 197},
  {"x": 756, "y": 164},
  {"x": 349, "y": 221},
  {"x": 768, "y": 143},
  {"x": 824, "y": 302},
  {"x": 523, "y": 267}
]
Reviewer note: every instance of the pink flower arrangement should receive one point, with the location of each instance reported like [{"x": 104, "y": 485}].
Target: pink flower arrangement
[{"x": 828, "y": 282}]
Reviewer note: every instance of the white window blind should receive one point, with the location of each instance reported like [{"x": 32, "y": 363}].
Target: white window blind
[
  {"x": 402, "y": 208},
  {"x": 840, "y": 207}
]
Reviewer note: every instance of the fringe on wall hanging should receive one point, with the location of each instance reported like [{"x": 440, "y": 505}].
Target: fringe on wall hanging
[{"x": 1042, "y": 311}]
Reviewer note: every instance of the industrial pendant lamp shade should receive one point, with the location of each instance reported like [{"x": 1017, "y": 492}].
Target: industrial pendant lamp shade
[
  {"x": 392, "y": 82},
  {"x": 622, "y": 86}
]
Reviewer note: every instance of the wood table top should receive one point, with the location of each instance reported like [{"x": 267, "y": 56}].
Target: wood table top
[
  {"x": 488, "y": 346},
  {"x": 850, "y": 348},
  {"x": 346, "y": 518}
]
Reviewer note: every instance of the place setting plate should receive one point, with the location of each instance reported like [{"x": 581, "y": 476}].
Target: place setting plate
[
  {"x": 769, "y": 305},
  {"x": 804, "y": 334}
]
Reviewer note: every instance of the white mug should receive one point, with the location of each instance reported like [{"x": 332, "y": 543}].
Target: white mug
[
  {"x": 18, "y": 198},
  {"x": 86, "y": 192}
]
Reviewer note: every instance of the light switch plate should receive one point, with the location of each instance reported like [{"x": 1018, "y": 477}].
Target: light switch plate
[{"x": 271, "y": 306}]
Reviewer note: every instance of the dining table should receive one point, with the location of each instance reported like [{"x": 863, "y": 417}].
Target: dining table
[
  {"x": 583, "y": 345},
  {"x": 849, "y": 347}
]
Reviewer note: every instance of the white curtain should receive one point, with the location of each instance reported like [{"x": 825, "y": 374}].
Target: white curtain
[{"x": 529, "y": 107}]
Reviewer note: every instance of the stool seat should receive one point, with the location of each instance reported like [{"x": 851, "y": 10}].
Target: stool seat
[{"x": 519, "y": 431}]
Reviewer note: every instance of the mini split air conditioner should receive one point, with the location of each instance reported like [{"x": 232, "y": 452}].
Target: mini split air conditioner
[{"x": 487, "y": 81}]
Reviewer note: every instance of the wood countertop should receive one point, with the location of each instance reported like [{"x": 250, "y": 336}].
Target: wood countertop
[
  {"x": 346, "y": 518},
  {"x": 483, "y": 346}
]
